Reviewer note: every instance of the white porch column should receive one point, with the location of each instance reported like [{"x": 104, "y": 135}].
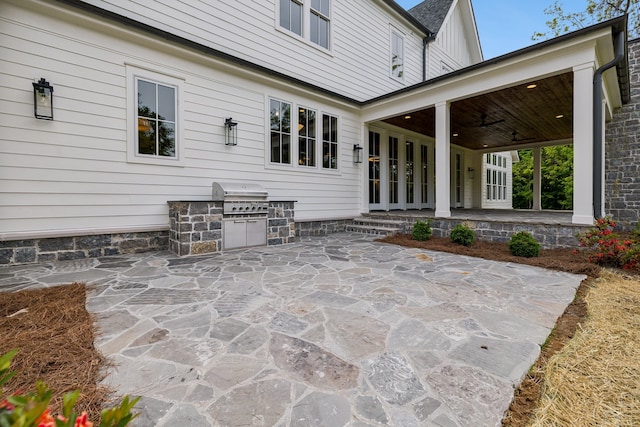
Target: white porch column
[
  {"x": 537, "y": 179},
  {"x": 443, "y": 160},
  {"x": 583, "y": 144}
]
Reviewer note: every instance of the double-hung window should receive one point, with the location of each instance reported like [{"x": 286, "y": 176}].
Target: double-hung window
[
  {"x": 397, "y": 55},
  {"x": 291, "y": 15},
  {"x": 319, "y": 23},
  {"x": 156, "y": 118},
  {"x": 329, "y": 141},
  {"x": 496, "y": 179},
  {"x": 306, "y": 137},
  {"x": 308, "y": 19},
  {"x": 280, "y": 119}
]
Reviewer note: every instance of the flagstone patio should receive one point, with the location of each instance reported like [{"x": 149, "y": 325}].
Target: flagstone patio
[{"x": 336, "y": 330}]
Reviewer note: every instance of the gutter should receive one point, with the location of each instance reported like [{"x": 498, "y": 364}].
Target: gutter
[
  {"x": 620, "y": 51},
  {"x": 425, "y": 41}
]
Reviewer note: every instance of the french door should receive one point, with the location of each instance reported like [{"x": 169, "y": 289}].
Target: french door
[{"x": 401, "y": 172}]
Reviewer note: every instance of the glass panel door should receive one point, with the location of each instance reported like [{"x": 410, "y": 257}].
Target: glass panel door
[
  {"x": 457, "y": 175},
  {"x": 410, "y": 176},
  {"x": 374, "y": 171},
  {"x": 394, "y": 173},
  {"x": 426, "y": 177}
]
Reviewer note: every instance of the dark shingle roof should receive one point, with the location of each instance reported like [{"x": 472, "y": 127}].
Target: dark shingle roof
[{"x": 431, "y": 13}]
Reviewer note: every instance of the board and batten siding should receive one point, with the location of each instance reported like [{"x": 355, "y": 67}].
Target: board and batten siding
[
  {"x": 453, "y": 47},
  {"x": 72, "y": 174},
  {"x": 359, "y": 39}
]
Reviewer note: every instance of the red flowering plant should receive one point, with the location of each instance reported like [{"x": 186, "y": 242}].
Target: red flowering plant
[
  {"x": 605, "y": 247},
  {"x": 31, "y": 409}
]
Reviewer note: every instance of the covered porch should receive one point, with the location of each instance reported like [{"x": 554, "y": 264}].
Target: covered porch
[{"x": 427, "y": 145}]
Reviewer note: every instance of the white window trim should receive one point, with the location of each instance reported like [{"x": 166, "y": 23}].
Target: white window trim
[
  {"x": 294, "y": 166},
  {"x": 503, "y": 170},
  {"x": 133, "y": 72},
  {"x": 394, "y": 31},
  {"x": 320, "y": 131},
  {"x": 306, "y": 27},
  {"x": 293, "y": 151}
]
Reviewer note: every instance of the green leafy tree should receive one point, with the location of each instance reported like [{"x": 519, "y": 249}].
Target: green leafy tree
[
  {"x": 561, "y": 21},
  {"x": 556, "y": 183}
]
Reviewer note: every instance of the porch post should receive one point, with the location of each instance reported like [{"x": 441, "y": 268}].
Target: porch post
[
  {"x": 537, "y": 180},
  {"x": 443, "y": 160},
  {"x": 583, "y": 144}
]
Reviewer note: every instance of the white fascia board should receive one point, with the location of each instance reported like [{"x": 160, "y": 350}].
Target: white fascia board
[{"x": 532, "y": 66}]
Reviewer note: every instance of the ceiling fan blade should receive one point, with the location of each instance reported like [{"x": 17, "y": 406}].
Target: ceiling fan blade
[{"x": 484, "y": 123}]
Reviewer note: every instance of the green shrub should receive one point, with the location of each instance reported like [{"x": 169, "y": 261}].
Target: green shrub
[
  {"x": 422, "y": 230},
  {"x": 523, "y": 244},
  {"x": 462, "y": 235}
]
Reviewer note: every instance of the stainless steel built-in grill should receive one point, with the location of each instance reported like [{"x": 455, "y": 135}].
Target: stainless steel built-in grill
[{"x": 245, "y": 208}]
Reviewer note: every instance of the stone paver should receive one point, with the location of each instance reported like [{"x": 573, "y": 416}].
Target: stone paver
[{"x": 329, "y": 331}]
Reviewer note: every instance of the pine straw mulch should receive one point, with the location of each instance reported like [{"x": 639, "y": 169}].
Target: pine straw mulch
[
  {"x": 53, "y": 333},
  {"x": 595, "y": 379}
]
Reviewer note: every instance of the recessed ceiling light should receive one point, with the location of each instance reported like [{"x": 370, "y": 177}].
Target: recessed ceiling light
[
  {"x": 407, "y": 116},
  {"x": 531, "y": 86},
  {"x": 485, "y": 145},
  {"x": 559, "y": 116},
  {"x": 455, "y": 134}
]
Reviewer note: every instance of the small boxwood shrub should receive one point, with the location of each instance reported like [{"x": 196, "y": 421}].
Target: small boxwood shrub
[
  {"x": 462, "y": 235},
  {"x": 422, "y": 230},
  {"x": 523, "y": 244}
]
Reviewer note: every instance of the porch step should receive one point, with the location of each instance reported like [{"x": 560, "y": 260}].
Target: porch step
[{"x": 382, "y": 227}]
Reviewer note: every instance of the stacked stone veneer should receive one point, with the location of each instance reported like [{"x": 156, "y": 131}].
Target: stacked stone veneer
[
  {"x": 548, "y": 235},
  {"x": 319, "y": 228},
  {"x": 195, "y": 227},
  {"x": 281, "y": 225},
  {"x": 79, "y": 247},
  {"x": 622, "y": 159}
]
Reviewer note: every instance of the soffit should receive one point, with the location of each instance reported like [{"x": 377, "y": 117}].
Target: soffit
[{"x": 530, "y": 113}]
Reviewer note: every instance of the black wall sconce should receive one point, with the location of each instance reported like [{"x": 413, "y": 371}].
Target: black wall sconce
[
  {"x": 357, "y": 153},
  {"x": 230, "y": 132},
  {"x": 43, "y": 100}
]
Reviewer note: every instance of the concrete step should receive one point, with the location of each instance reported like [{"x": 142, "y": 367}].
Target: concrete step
[{"x": 372, "y": 229}]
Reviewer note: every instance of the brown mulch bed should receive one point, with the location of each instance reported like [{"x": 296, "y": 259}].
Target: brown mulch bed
[
  {"x": 53, "y": 333},
  {"x": 527, "y": 395}
]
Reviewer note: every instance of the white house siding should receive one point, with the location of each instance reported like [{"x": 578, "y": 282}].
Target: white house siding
[
  {"x": 454, "y": 46},
  {"x": 72, "y": 175},
  {"x": 359, "y": 40}
]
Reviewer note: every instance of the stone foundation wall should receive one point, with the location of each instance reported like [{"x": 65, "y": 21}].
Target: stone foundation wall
[
  {"x": 79, "y": 247},
  {"x": 548, "y": 235},
  {"x": 622, "y": 148},
  {"x": 320, "y": 228}
]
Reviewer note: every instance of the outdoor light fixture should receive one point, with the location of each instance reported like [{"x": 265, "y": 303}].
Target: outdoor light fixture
[
  {"x": 230, "y": 132},
  {"x": 43, "y": 100},
  {"x": 357, "y": 153}
]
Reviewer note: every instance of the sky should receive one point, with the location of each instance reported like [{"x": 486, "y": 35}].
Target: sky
[{"x": 507, "y": 25}]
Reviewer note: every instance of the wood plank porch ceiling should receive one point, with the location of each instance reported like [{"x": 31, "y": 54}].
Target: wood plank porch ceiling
[{"x": 539, "y": 114}]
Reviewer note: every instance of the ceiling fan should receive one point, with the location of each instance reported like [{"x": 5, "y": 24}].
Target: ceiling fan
[
  {"x": 515, "y": 139},
  {"x": 484, "y": 123}
]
